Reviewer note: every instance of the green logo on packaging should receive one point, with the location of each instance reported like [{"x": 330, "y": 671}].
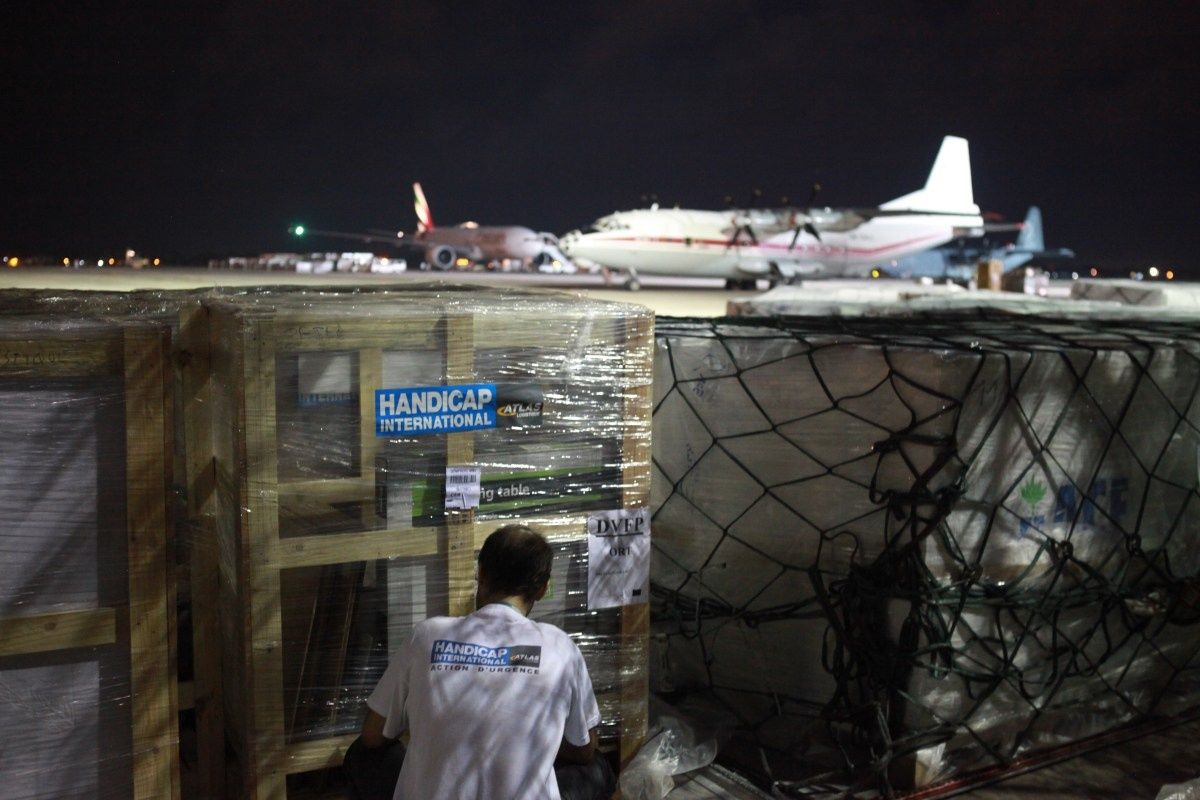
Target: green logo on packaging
[{"x": 1033, "y": 492}]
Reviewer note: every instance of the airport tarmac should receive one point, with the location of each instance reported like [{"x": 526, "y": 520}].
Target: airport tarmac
[{"x": 677, "y": 297}]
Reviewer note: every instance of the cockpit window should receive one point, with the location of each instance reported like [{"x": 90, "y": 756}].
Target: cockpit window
[{"x": 609, "y": 224}]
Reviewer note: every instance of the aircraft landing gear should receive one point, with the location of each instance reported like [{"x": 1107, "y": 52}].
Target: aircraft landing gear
[
  {"x": 777, "y": 276},
  {"x": 632, "y": 283}
]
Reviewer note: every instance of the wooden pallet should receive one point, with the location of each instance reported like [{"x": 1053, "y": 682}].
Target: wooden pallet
[
  {"x": 142, "y": 623},
  {"x": 256, "y": 551}
]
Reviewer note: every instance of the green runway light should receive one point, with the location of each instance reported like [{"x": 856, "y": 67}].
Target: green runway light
[{"x": 298, "y": 230}]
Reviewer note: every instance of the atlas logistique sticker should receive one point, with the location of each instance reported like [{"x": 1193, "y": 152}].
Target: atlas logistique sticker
[
  {"x": 519, "y": 406},
  {"x": 424, "y": 410}
]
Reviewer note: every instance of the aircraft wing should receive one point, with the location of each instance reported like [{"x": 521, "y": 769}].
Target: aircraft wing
[
  {"x": 300, "y": 230},
  {"x": 1060, "y": 253},
  {"x": 833, "y": 220}
]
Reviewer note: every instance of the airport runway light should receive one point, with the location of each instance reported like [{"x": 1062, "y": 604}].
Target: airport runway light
[
  {"x": 1154, "y": 272},
  {"x": 112, "y": 262},
  {"x": 1170, "y": 275},
  {"x": 157, "y": 262},
  {"x": 297, "y": 230},
  {"x": 13, "y": 262},
  {"x": 1074, "y": 276},
  {"x": 100, "y": 263},
  {"x": 1095, "y": 273},
  {"x": 66, "y": 262},
  {"x": 875, "y": 273}
]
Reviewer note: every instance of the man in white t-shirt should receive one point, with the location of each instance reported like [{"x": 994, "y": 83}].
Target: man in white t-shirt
[{"x": 493, "y": 699}]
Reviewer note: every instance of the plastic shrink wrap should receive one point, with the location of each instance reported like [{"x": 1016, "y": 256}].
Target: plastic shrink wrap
[
  {"x": 918, "y": 547},
  {"x": 183, "y": 319},
  {"x": 338, "y": 474},
  {"x": 88, "y": 695}
]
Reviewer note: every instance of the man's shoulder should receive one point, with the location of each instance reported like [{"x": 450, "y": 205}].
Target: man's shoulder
[
  {"x": 433, "y": 625},
  {"x": 555, "y": 635}
]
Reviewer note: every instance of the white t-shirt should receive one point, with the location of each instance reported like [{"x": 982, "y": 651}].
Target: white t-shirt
[{"x": 487, "y": 699}]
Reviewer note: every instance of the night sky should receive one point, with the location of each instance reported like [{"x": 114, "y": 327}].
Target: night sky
[{"x": 194, "y": 130}]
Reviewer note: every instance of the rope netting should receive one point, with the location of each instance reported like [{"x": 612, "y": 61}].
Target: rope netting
[{"x": 888, "y": 551}]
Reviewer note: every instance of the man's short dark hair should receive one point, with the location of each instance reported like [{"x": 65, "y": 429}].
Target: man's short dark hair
[{"x": 516, "y": 559}]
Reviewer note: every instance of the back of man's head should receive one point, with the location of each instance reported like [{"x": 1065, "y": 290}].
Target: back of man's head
[{"x": 515, "y": 560}]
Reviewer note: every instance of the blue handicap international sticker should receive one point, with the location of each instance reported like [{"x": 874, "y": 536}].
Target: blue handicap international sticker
[{"x": 421, "y": 410}]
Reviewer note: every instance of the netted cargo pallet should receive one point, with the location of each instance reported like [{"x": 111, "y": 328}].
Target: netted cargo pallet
[
  {"x": 335, "y": 537},
  {"x": 891, "y": 550},
  {"x": 87, "y": 677}
]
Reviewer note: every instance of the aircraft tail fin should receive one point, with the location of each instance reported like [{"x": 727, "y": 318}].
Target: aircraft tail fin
[
  {"x": 948, "y": 189},
  {"x": 1031, "y": 236},
  {"x": 421, "y": 205}
]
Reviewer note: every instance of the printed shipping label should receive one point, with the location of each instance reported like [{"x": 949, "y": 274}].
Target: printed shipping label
[
  {"x": 618, "y": 557},
  {"x": 435, "y": 409},
  {"x": 462, "y": 488}
]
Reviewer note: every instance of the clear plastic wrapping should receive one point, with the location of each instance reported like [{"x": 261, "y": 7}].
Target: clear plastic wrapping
[
  {"x": 337, "y": 526},
  {"x": 88, "y": 690},
  {"x": 285, "y": 621},
  {"x": 906, "y": 548}
]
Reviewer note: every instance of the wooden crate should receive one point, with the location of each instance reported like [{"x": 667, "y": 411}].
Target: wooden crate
[
  {"x": 88, "y": 587},
  {"x": 272, "y": 516},
  {"x": 185, "y": 319}
]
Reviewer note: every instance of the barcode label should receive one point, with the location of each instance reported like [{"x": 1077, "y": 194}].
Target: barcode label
[{"x": 462, "y": 488}]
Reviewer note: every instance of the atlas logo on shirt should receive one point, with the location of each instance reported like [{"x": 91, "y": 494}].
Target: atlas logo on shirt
[{"x": 480, "y": 655}]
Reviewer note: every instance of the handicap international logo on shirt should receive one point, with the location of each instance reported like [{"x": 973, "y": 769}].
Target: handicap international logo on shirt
[{"x": 468, "y": 654}]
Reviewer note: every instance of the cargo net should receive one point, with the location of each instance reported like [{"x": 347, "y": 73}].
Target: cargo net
[{"x": 892, "y": 551}]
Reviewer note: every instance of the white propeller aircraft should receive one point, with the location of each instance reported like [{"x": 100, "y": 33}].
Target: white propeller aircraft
[
  {"x": 469, "y": 242},
  {"x": 782, "y": 244}
]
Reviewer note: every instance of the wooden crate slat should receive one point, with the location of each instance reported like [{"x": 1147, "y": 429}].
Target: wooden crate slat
[
  {"x": 635, "y": 619},
  {"x": 340, "y": 548},
  {"x": 460, "y": 450},
  {"x": 61, "y": 356},
  {"x": 370, "y": 373},
  {"x": 154, "y": 695},
  {"x": 315, "y": 331},
  {"x": 195, "y": 364},
  {"x": 41, "y": 633},
  {"x": 261, "y": 520},
  {"x": 317, "y": 754},
  {"x": 329, "y": 490}
]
